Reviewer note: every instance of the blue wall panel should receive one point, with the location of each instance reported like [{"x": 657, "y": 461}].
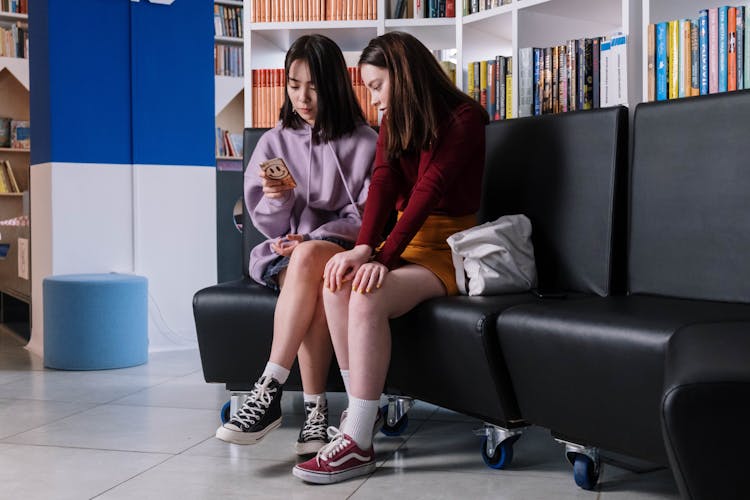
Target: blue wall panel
[
  {"x": 80, "y": 81},
  {"x": 173, "y": 83}
]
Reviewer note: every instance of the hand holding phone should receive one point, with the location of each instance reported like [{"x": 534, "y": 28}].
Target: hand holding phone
[{"x": 275, "y": 169}]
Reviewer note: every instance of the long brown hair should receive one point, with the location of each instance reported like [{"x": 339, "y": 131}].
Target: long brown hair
[
  {"x": 422, "y": 95},
  {"x": 339, "y": 113}
]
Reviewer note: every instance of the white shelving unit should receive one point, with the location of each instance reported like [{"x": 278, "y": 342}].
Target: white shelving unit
[
  {"x": 483, "y": 35},
  {"x": 14, "y": 103},
  {"x": 229, "y": 90}
]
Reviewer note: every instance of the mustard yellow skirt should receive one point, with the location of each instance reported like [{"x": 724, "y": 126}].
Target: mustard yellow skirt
[{"x": 429, "y": 248}]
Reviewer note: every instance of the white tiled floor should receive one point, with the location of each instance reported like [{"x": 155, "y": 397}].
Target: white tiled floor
[{"x": 147, "y": 432}]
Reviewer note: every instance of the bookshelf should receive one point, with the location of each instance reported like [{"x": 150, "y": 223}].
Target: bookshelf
[
  {"x": 229, "y": 84},
  {"x": 656, "y": 11},
  {"x": 15, "y": 283},
  {"x": 500, "y": 30}
]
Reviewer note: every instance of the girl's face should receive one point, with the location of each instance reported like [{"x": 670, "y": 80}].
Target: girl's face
[
  {"x": 302, "y": 92},
  {"x": 377, "y": 82}
]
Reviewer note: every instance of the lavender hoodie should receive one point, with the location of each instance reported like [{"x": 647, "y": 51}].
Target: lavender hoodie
[{"x": 332, "y": 182}]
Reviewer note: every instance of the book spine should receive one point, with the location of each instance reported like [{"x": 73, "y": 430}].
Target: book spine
[
  {"x": 746, "y": 52},
  {"x": 555, "y": 58},
  {"x": 509, "y": 88},
  {"x": 547, "y": 85},
  {"x": 525, "y": 82},
  {"x": 450, "y": 8},
  {"x": 470, "y": 79},
  {"x": 704, "y": 50},
  {"x": 477, "y": 81},
  {"x": 581, "y": 73},
  {"x": 723, "y": 59},
  {"x": 502, "y": 67},
  {"x": 673, "y": 58},
  {"x": 538, "y": 59},
  {"x": 732, "y": 48},
  {"x": 604, "y": 73},
  {"x": 572, "y": 75},
  {"x": 651, "y": 68},
  {"x": 491, "y": 89},
  {"x": 695, "y": 61},
  {"x": 499, "y": 74},
  {"x": 620, "y": 69},
  {"x": 662, "y": 87},
  {"x": 682, "y": 82},
  {"x": 563, "y": 87},
  {"x": 740, "y": 23},
  {"x": 596, "y": 71},
  {"x": 589, "y": 93},
  {"x": 483, "y": 83}
]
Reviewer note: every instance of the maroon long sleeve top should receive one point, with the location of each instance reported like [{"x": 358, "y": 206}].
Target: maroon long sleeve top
[{"x": 443, "y": 180}]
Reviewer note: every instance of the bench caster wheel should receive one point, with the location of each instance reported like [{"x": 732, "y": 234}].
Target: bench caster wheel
[
  {"x": 395, "y": 429},
  {"x": 501, "y": 456},
  {"x": 497, "y": 445},
  {"x": 226, "y": 412},
  {"x": 585, "y": 472}
]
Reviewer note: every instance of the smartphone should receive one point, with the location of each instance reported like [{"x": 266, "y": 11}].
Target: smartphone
[{"x": 276, "y": 169}]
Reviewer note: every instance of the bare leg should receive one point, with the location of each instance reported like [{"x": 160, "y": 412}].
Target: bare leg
[
  {"x": 316, "y": 351},
  {"x": 297, "y": 310},
  {"x": 369, "y": 334},
  {"x": 337, "y": 314}
]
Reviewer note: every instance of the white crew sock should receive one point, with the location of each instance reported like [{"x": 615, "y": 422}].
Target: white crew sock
[
  {"x": 360, "y": 419},
  {"x": 277, "y": 372},
  {"x": 345, "y": 378}
]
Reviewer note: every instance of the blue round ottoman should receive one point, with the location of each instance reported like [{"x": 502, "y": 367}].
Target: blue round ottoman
[{"x": 95, "y": 321}]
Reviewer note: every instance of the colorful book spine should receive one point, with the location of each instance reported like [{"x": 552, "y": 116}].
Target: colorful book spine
[
  {"x": 619, "y": 70},
  {"x": 673, "y": 59},
  {"x": 572, "y": 74},
  {"x": 695, "y": 59},
  {"x": 491, "y": 88},
  {"x": 713, "y": 50},
  {"x": 509, "y": 88},
  {"x": 596, "y": 70},
  {"x": 651, "y": 68},
  {"x": 538, "y": 80},
  {"x": 661, "y": 61},
  {"x": 470, "y": 79},
  {"x": 723, "y": 74},
  {"x": 681, "y": 58},
  {"x": 731, "y": 48},
  {"x": 602, "y": 92},
  {"x": 740, "y": 48},
  {"x": 703, "y": 52},
  {"x": 482, "y": 83},
  {"x": 499, "y": 88}
]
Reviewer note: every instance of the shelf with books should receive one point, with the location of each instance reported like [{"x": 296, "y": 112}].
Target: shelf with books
[{"x": 694, "y": 48}]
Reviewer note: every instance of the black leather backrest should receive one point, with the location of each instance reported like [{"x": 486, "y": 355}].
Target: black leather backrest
[
  {"x": 568, "y": 174},
  {"x": 690, "y": 198},
  {"x": 250, "y": 235}
]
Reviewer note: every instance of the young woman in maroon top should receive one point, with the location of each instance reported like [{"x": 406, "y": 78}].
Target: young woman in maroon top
[{"x": 429, "y": 162}]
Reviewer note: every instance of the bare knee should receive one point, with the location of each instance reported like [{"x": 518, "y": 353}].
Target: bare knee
[
  {"x": 367, "y": 307},
  {"x": 309, "y": 258}
]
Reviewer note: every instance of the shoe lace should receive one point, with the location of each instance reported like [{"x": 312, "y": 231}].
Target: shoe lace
[
  {"x": 316, "y": 423},
  {"x": 256, "y": 404},
  {"x": 339, "y": 441}
]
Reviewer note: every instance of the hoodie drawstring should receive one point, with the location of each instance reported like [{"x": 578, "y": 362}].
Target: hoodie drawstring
[
  {"x": 343, "y": 180},
  {"x": 309, "y": 168}
]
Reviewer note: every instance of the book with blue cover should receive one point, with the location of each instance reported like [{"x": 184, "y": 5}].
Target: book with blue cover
[
  {"x": 723, "y": 57},
  {"x": 661, "y": 61},
  {"x": 703, "y": 51}
]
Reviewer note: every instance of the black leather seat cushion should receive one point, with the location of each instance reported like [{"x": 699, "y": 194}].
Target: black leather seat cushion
[
  {"x": 444, "y": 353},
  {"x": 706, "y": 409},
  {"x": 593, "y": 370}
]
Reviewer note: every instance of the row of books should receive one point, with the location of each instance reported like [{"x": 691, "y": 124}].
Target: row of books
[
  {"x": 313, "y": 10},
  {"x": 587, "y": 73},
  {"x": 8, "y": 183},
  {"x": 706, "y": 55},
  {"x": 14, "y": 6},
  {"x": 14, "y": 40},
  {"x": 491, "y": 83},
  {"x": 228, "y": 60},
  {"x": 228, "y": 144},
  {"x": 269, "y": 88},
  {"x": 15, "y": 133},
  {"x": 474, "y": 6},
  {"x": 227, "y": 21},
  {"x": 421, "y": 9}
]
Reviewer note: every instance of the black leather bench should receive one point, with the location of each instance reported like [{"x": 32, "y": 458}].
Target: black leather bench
[
  {"x": 567, "y": 174},
  {"x": 593, "y": 371}
]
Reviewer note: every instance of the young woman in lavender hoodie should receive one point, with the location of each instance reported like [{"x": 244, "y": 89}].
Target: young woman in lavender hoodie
[{"x": 329, "y": 149}]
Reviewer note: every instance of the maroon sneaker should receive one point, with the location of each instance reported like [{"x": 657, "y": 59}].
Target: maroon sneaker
[{"x": 339, "y": 460}]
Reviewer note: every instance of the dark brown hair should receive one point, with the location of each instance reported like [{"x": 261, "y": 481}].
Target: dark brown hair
[
  {"x": 338, "y": 109},
  {"x": 422, "y": 96}
]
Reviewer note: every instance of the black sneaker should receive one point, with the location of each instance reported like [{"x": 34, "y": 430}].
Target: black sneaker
[
  {"x": 313, "y": 435},
  {"x": 260, "y": 414}
]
